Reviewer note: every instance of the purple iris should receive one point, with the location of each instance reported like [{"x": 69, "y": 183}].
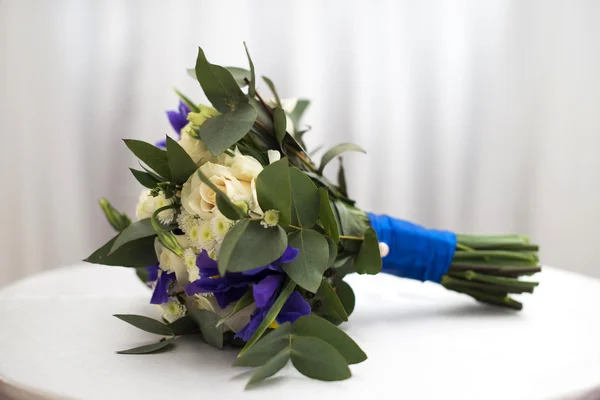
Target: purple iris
[
  {"x": 266, "y": 284},
  {"x": 178, "y": 120},
  {"x": 161, "y": 290},
  {"x": 152, "y": 271}
]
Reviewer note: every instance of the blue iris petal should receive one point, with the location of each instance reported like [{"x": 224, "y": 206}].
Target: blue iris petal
[
  {"x": 161, "y": 290},
  {"x": 264, "y": 290},
  {"x": 152, "y": 271},
  {"x": 294, "y": 308}
]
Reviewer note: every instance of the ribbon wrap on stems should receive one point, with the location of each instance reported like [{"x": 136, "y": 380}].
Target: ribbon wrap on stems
[{"x": 415, "y": 252}]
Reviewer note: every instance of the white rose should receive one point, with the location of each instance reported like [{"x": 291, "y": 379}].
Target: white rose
[
  {"x": 171, "y": 262},
  {"x": 199, "y": 199},
  {"x": 148, "y": 204},
  {"x": 195, "y": 147},
  {"x": 208, "y": 302},
  {"x": 245, "y": 168}
]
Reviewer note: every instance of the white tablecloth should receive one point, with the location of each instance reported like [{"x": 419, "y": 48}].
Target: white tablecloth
[{"x": 58, "y": 336}]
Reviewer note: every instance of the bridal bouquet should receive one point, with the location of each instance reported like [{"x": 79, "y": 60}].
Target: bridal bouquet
[{"x": 246, "y": 243}]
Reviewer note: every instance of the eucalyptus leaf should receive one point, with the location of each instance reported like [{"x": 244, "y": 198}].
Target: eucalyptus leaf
[
  {"x": 144, "y": 178},
  {"x": 183, "y": 325},
  {"x": 142, "y": 274},
  {"x": 331, "y": 304},
  {"x": 146, "y": 324},
  {"x": 327, "y": 217},
  {"x": 230, "y": 209},
  {"x": 140, "y": 229},
  {"x": 270, "y": 317},
  {"x": 151, "y": 155},
  {"x": 305, "y": 199},
  {"x": 318, "y": 359},
  {"x": 273, "y": 366},
  {"x": 308, "y": 267},
  {"x": 333, "y": 251},
  {"x": 252, "y": 80},
  {"x": 187, "y": 101},
  {"x": 181, "y": 164},
  {"x": 368, "y": 260},
  {"x": 279, "y": 120},
  {"x": 152, "y": 173},
  {"x": 298, "y": 112},
  {"x": 134, "y": 254},
  {"x": 250, "y": 245},
  {"x": 336, "y": 151},
  {"x": 346, "y": 296},
  {"x": 117, "y": 220},
  {"x": 343, "y": 187},
  {"x": 223, "y": 131},
  {"x": 218, "y": 85},
  {"x": 273, "y": 190},
  {"x": 239, "y": 74},
  {"x": 207, "y": 321},
  {"x": 311, "y": 325},
  {"x": 150, "y": 348},
  {"x": 271, "y": 86},
  {"x": 267, "y": 347}
]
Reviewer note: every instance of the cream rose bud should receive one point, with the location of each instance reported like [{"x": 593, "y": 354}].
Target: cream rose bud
[
  {"x": 171, "y": 262},
  {"x": 199, "y": 199},
  {"x": 245, "y": 168},
  {"x": 195, "y": 147},
  {"x": 148, "y": 204}
]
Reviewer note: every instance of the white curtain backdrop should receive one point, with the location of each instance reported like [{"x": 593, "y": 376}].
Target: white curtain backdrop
[{"x": 478, "y": 116}]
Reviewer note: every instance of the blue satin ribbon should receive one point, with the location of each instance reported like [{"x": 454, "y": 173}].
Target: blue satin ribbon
[{"x": 415, "y": 252}]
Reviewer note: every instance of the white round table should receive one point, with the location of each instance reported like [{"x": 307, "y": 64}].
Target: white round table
[{"x": 58, "y": 338}]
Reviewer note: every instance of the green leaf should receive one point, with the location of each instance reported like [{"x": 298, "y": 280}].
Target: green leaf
[
  {"x": 207, "y": 321},
  {"x": 138, "y": 253},
  {"x": 273, "y": 190},
  {"x": 223, "y": 131},
  {"x": 187, "y": 101},
  {"x": 183, "y": 325},
  {"x": 327, "y": 217},
  {"x": 252, "y": 84},
  {"x": 144, "y": 178},
  {"x": 271, "y": 315},
  {"x": 117, "y": 220},
  {"x": 150, "y": 348},
  {"x": 167, "y": 239},
  {"x": 239, "y": 74},
  {"x": 368, "y": 260},
  {"x": 146, "y": 324},
  {"x": 140, "y": 229},
  {"x": 331, "y": 304},
  {"x": 272, "y": 87},
  {"x": 308, "y": 267},
  {"x": 273, "y": 366},
  {"x": 218, "y": 85},
  {"x": 333, "y": 251},
  {"x": 267, "y": 347},
  {"x": 336, "y": 151},
  {"x": 346, "y": 296},
  {"x": 318, "y": 359},
  {"x": 242, "y": 303},
  {"x": 342, "y": 178},
  {"x": 250, "y": 245},
  {"x": 311, "y": 325},
  {"x": 305, "y": 199},
  {"x": 154, "y": 157},
  {"x": 152, "y": 173},
  {"x": 224, "y": 203},
  {"x": 298, "y": 112},
  {"x": 279, "y": 120},
  {"x": 181, "y": 164}
]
